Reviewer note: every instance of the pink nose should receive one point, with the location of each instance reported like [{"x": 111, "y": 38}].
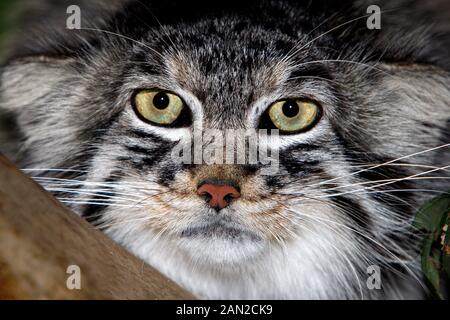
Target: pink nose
[{"x": 218, "y": 195}]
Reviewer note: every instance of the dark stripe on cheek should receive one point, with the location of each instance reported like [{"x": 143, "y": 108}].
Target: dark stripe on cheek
[
  {"x": 94, "y": 212},
  {"x": 167, "y": 174},
  {"x": 359, "y": 156},
  {"x": 398, "y": 201},
  {"x": 139, "y": 149},
  {"x": 82, "y": 158},
  {"x": 141, "y": 164},
  {"x": 353, "y": 210},
  {"x": 298, "y": 164},
  {"x": 144, "y": 135},
  {"x": 295, "y": 159},
  {"x": 295, "y": 167},
  {"x": 146, "y": 157}
]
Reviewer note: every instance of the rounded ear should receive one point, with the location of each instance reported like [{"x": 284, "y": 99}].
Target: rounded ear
[
  {"x": 407, "y": 109},
  {"x": 32, "y": 90},
  {"x": 26, "y": 81}
]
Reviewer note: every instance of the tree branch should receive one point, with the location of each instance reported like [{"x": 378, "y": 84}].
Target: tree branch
[{"x": 40, "y": 239}]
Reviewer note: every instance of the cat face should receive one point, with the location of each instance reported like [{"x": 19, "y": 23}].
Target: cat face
[
  {"x": 108, "y": 116},
  {"x": 220, "y": 88}
]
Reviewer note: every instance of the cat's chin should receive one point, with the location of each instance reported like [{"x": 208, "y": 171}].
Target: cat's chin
[{"x": 217, "y": 244}]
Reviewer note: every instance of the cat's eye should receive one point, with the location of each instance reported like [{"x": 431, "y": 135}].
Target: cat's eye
[
  {"x": 293, "y": 115},
  {"x": 158, "y": 107}
]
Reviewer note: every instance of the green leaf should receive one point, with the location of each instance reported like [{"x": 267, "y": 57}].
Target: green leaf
[
  {"x": 432, "y": 215},
  {"x": 446, "y": 249},
  {"x": 431, "y": 220}
]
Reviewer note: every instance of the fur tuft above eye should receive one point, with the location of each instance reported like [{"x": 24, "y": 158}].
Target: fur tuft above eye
[
  {"x": 159, "y": 107},
  {"x": 291, "y": 116}
]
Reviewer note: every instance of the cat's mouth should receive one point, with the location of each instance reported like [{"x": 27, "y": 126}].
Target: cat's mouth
[
  {"x": 220, "y": 242},
  {"x": 219, "y": 229}
]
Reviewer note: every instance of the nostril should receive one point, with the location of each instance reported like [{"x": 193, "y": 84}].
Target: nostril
[
  {"x": 228, "y": 198},
  {"x": 232, "y": 195},
  {"x": 218, "y": 195},
  {"x": 206, "y": 195}
]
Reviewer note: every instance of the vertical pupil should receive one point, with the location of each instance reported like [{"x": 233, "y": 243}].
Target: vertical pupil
[
  {"x": 161, "y": 100},
  {"x": 290, "y": 108}
]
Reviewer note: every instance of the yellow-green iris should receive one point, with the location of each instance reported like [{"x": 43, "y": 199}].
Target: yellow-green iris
[
  {"x": 294, "y": 115},
  {"x": 158, "y": 106}
]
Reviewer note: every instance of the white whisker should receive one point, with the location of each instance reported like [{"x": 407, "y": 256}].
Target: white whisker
[{"x": 382, "y": 164}]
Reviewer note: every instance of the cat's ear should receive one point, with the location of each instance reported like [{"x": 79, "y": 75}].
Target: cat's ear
[
  {"x": 404, "y": 109},
  {"x": 35, "y": 92},
  {"x": 25, "y": 82}
]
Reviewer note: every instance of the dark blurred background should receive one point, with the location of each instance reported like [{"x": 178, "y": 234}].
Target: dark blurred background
[
  {"x": 9, "y": 16},
  {"x": 10, "y": 11}
]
